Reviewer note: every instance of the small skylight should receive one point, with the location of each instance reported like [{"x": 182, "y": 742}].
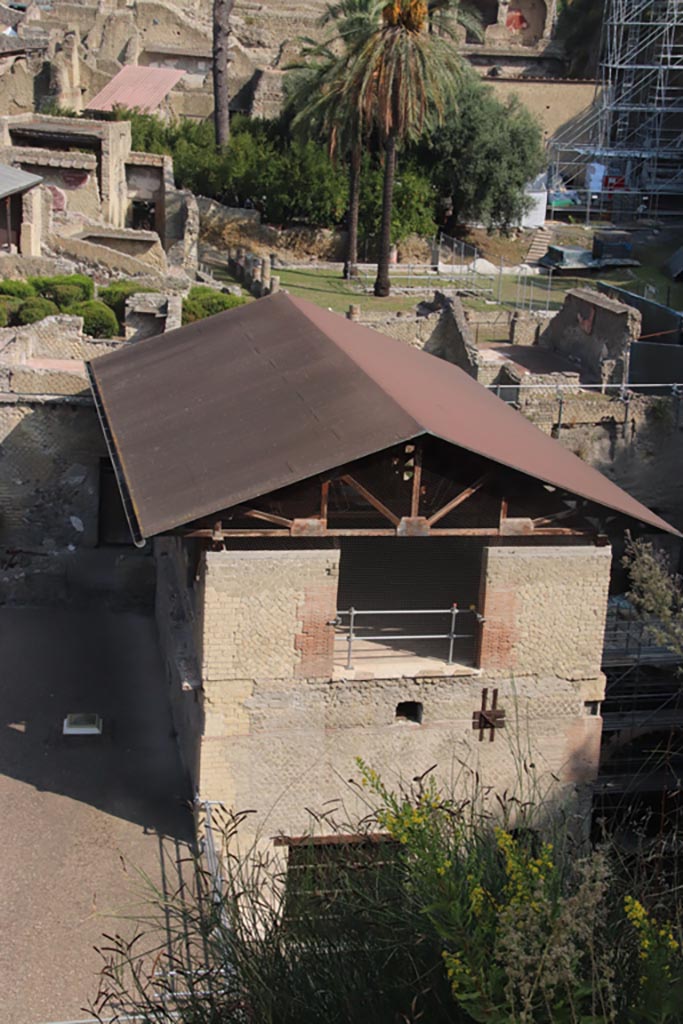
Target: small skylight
[{"x": 82, "y": 724}]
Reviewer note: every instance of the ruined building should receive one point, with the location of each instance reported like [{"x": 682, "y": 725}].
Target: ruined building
[
  {"x": 68, "y": 51},
  {"x": 360, "y": 552},
  {"x": 97, "y": 200}
]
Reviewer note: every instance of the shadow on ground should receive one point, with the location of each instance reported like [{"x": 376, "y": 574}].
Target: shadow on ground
[{"x": 58, "y": 661}]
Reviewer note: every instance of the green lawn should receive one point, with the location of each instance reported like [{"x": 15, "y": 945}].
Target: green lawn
[{"x": 328, "y": 289}]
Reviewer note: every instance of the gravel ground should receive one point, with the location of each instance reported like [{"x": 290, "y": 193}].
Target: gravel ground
[{"x": 80, "y": 814}]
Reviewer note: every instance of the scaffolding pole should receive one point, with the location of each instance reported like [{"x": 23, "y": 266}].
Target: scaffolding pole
[{"x": 634, "y": 126}]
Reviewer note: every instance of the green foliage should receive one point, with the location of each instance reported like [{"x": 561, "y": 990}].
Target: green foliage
[
  {"x": 9, "y": 307},
  {"x": 46, "y": 286},
  {"x": 656, "y": 592},
  {"x": 99, "y": 320},
  {"x": 485, "y": 155},
  {"x": 445, "y": 909},
  {"x": 32, "y": 310},
  {"x": 579, "y": 27},
  {"x": 413, "y": 206},
  {"x": 114, "y": 296},
  {"x": 65, "y": 295},
  {"x": 17, "y": 289},
  {"x": 203, "y": 301}
]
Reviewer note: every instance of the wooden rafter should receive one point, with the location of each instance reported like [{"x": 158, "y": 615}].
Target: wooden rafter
[
  {"x": 267, "y": 517},
  {"x": 324, "y": 501},
  {"x": 556, "y": 518},
  {"x": 321, "y": 531},
  {"x": 459, "y": 499},
  {"x": 371, "y": 499}
]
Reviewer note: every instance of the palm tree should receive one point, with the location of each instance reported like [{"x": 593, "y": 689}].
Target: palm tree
[
  {"x": 222, "y": 9},
  {"x": 319, "y": 94},
  {"x": 401, "y": 78}
]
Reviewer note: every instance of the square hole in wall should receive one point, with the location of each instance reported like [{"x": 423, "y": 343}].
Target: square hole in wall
[
  {"x": 409, "y": 711},
  {"x": 82, "y": 724}
]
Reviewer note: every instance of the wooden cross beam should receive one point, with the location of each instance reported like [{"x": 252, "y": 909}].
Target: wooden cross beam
[{"x": 488, "y": 718}]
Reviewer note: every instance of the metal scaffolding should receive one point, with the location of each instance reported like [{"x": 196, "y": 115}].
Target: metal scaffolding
[{"x": 635, "y": 127}]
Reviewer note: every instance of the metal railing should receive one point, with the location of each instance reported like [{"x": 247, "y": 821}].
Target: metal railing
[
  {"x": 353, "y": 614},
  {"x": 635, "y": 641}
]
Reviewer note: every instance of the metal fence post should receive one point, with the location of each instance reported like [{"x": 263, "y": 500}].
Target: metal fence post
[
  {"x": 349, "y": 656},
  {"x": 451, "y": 635}
]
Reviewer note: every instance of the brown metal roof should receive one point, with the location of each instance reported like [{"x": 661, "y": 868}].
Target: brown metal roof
[
  {"x": 243, "y": 403},
  {"x": 136, "y": 88}
]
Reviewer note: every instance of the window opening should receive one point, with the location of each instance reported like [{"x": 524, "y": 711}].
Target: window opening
[{"x": 409, "y": 711}]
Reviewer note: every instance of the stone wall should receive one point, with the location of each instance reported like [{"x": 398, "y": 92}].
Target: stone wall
[
  {"x": 49, "y": 485},
  {"x": 596, "y": 333},
  {"x": 71, "y": 178},
  {"x": 443, "y": 331},
  {"x": 149, "y": 314},
  {"x": 179, "y": 617},
  {"x": 278, "y": 734},
  {"x": 545, "y": 610}
]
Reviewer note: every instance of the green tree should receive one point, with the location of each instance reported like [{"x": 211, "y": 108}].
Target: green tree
[
  {"x": 656, "y": 592},
  {"x": 402, "y": 77},
  {"x": 322, "y": 104},
  {"x": 483, "y": 157},
  {"x": 222, "y": 9},
  {"x": 413, "y": 206}
]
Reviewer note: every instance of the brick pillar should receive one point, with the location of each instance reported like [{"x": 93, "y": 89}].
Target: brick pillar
[
  {"x": 266, "y": 614},
  {"x": 544, "y": 609}
]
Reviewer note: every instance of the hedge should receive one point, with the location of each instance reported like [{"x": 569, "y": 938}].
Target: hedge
[
  {"x": 98, "y": 320},
  {"x": 32, "y": 310},
  {"x": 47, "y": 286},
  {"x": 203, "y": 301},
  {"x": 17, "y": 289}
]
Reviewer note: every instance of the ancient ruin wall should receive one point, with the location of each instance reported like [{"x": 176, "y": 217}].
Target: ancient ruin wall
[
  {"x": 596, "y": 333},
  {"x": 279, "y": 738}
]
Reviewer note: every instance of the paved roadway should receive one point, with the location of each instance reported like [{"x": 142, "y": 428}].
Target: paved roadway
[{"x": 78, "y": 815}]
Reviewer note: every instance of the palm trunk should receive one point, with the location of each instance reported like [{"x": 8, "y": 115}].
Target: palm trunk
[
  {"x": 351, "y": 263},
  {"x": 222, "y": 9},
  {"x": 382, "y": 283}
]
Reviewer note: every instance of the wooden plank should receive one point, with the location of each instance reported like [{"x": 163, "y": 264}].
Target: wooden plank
[
  {"x": 417, "y": 483},
  {"x": 459, "y": 499},
  {"x": 324, "y": 501},
  {"x": 267, "y": 517},
  {"x": 371, "y": 499},
  {"x": 556, "y": 518}
]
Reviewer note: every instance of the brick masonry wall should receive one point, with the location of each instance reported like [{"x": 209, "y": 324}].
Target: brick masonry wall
[
  {"x": 178, "y": 611},
  {"x": 281, "y": 736},
  {"x": 283, "y": 746},
  {"x": 545, "y": 610},
  {"x": 265, "y": 613}
]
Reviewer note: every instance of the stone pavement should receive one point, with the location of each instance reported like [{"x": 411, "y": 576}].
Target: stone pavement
[{"x": 81, "y": 816}]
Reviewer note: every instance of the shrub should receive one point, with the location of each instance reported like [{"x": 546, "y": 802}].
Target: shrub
[
  {"x": 46, "y": 286},
  {"x": 17, "y": 289},
  {"x": 32, "y": 310},
  {"x": 8, "y": 309},
  {"x": 99, "y": 320},
  {"x": 203, "y": 301},
  {"x": 66, "y": 295},
  {"x": 114, "y": 296}
]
